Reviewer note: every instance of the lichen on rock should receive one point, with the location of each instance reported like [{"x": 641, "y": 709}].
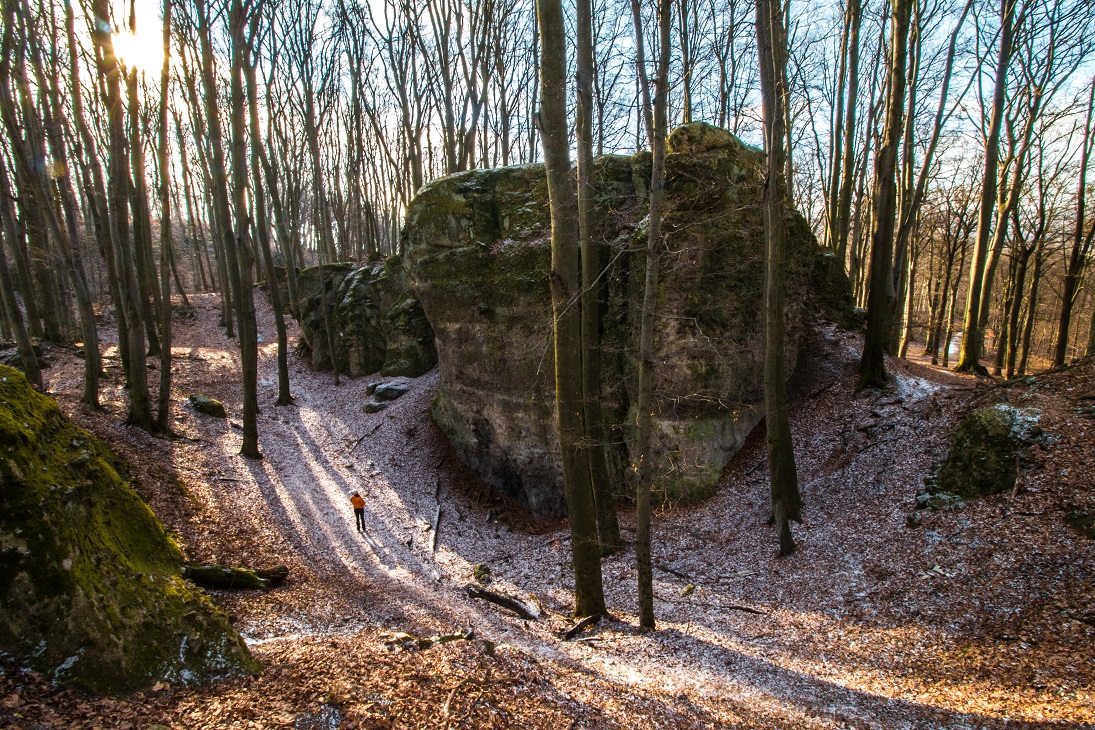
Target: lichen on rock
[
  {"x": 477, "y": 253},
  {"x": 90, "y": 587}
]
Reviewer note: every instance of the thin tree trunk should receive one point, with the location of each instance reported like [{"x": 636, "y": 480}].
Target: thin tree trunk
[
  {"x": 284, "y": 396},
  {"x": 969, "y": 358},
  {"x": 608, "y": 528},
  {"x": 1081, "y": 240},
  {"x": 782, "y": 471},
  {"x": 7, "y": 286},
  {"x": 588, "y": 589},
  {"x": 880, "y": 294},
  {"x": 164, "y": 403},
  {"x": 244, "y": 254}
]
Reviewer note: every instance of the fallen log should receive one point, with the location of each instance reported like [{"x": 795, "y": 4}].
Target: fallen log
[
  {"x": 581, "y": 626},
  {"x": 275, "y": 576},
  {"x": 504, "y": 601},
  {"x": 229, "y": 578}
]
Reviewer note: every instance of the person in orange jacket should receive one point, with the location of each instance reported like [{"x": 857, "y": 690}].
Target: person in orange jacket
[{"x": 359, "y": 511}]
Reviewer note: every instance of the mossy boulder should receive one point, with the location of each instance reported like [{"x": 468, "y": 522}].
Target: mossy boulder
[
  {"x": 91, "y": 592},
  {"x": 477, "y": 251},
  {"x": 986, "y": 451},
  {"x": 378, "y": 324},
  {"x": 208, "y": 406}
]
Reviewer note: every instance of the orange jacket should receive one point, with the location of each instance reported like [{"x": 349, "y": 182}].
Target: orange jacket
[{"x": 357, "y": 502}]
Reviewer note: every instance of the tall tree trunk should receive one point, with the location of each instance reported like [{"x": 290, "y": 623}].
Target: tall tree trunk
[
  {"x": 7, "y": 286},
  {"x": 783, "y": 474},
  {"x": 588, "y": 590},
  {"x": 164, "y": 403},
  {"x": 140, "y": 407},
  {"x": 67, "y": 235},
  {"x": 656, "y": 117},
  {"x": 230, "y": 275},
  {"x": 880, "y": 294},
  {"x": 969, "y": 357},
  {"x": 244, "y": 254},
  {"x": 284, "y": 396},
  {"x": 1032, "y": 307},
  {"x": 608, "y": 528},
  {"x": 1081, "y": 240}
]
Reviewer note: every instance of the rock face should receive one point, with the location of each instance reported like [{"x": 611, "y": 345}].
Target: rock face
[
  {"x": 477, "y": 252},
  {"x": 90, "y": 586},
  {"x": 378, "y": 323},
  {"x": 985, "y": 452}
]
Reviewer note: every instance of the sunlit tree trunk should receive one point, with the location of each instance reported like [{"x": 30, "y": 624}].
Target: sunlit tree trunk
[
  {"x": 880, "y": 293},
  {"x": 969, "y": 356}
]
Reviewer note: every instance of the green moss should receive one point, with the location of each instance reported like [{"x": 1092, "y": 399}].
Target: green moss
[
  {"x": 90, "y": 583},
  {"x": 985, "y": 453}
]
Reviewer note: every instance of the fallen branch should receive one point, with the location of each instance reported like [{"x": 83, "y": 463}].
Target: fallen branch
[
  {"x": 504, "y": 601},
  {"x": 581, "y": 626},
  {"x": 728, "y": 607},
  {"x": 436, "y": 524},
  {"x": 667, "y": 569},
  {"x": 370, "y": 432}
]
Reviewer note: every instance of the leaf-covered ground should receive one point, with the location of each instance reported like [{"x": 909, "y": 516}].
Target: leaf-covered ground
[{"x": 977, "y": 617}]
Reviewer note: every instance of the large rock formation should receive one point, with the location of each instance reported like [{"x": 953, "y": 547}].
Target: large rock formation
[
  {"x": 379, "y": 325},
  {"x": 477, "y": 252},
  {"x": 90, "y": 586}
]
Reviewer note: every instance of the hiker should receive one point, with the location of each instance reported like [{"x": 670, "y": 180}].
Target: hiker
[{"x": 359, "y": 511}]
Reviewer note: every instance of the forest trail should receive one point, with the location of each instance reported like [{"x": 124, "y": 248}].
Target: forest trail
[{"x": 870, "y": 624}]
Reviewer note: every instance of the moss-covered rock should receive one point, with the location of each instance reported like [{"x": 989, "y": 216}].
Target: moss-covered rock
[
  {"x": 209, "y": 406},
  {"x": 90, "y": 586},
  {"x": 986, "y": 451},
  {"x": 379, "y": 326},
  {"x": 477, "y": 252}
]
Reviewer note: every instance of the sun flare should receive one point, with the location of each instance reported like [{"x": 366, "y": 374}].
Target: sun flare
[{"x": 142, "y": 50}]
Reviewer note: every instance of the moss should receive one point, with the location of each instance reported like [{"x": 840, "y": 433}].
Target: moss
[
  {"x": 90, "y": 583},
  {"x": 477, "y": 253},
  {"x": 985, "y": 452}
]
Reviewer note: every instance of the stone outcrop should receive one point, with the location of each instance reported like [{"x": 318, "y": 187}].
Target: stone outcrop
[
  {"x": 91, "y": 592},
  {"x": 379, "y": 325},
  {"x": 477, "y": 254},
  {"x": 986, "y": 451}
]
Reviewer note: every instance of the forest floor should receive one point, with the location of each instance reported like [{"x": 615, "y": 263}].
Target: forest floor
[{"x": 977, "y": 617}]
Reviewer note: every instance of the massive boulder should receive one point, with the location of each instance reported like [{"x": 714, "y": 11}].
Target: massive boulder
[
  {"x": 477, "y": 253},
  {"x": 379, "y": 326},
  {"x": 90, "y": 587}
]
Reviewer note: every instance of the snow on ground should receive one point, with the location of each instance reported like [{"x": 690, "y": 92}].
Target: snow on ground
[{"x": 869, "y": 624}]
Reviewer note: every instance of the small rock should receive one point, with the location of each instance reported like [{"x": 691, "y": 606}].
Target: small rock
[
  {"x": 481, "y": 573},
  {"x": 236, "y": 425},
  {"x": 371, "y": 387},
  {"x": 390, "y": 391},
  {"x": 374, "y": 407},
  {"x": 912, "y": 520},
  {"x": 82, "y": 458},
  {"x": 208, "y": 406}
]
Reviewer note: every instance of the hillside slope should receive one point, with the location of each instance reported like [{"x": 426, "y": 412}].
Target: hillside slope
[{"x": 977, "y": 617}]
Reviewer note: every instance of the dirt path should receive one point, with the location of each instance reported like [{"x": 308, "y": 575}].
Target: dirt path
[{"x": 870, "y": 624}]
